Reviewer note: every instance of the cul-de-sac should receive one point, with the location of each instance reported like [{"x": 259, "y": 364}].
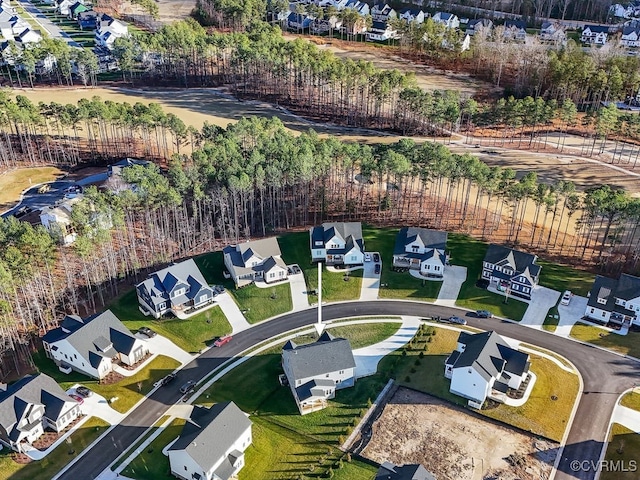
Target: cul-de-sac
[{"x": 319, "y": 239}]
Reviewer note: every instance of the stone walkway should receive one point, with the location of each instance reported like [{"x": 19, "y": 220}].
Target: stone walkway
[
  {"x": 232, "y": 312},
  {"x": 454, "y": 277}
]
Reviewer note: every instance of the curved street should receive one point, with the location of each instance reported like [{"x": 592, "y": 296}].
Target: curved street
[{"x": 605, "y": 375}]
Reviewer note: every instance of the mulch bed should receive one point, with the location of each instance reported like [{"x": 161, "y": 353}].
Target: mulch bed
[
  {"x": 111, "y": 378},
  {"x": 135, "y": 365}
]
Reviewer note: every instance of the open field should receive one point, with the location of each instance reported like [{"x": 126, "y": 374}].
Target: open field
[
  {"x": 623, "y": 449},
  {"x": 453, "y": 443},
  {"x": 14, "y": 181}
]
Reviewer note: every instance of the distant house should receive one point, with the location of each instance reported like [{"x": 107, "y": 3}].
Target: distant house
[
  {"x": 383, "y": 12},
  {"x": 337, "y": 243},
  {"x": 630, "y": 37},
  {"x": 315, "y": 371},
  {"x": 257, "y": 260},
  {"x": 474, "y": 25},
  {"x": 421, "y": 249},
  {"x": 32, "y": 405},
  {"x": 449, "y": 20},
  {"x": 380, "y": 32},
  {"x": 92, "y": 345},
  {"x": 108, "y": 30},
  {"x": 63, "y": 6},
  {"x": 177, "y": 288},
  {"x": 76, "y": 9},
  {"x": 595, "y": 34},
  {"x": 57, "y": 220},
  {"x": 326, "y": 24},
  {"x": 510, "y": 270},
  {"x": 515, "y": 30},
  {"x": 87, "y": 20},
  {"x": 361, "y": 7},
  {"x": 553, "y": 32},
  {"x": 389, "y": 471},
  {"x": 297, "y": 21},
  {"x": 28, "y": 36},
  {"x": 483, "y": 363},
  {"x": 212, "y": 443},
  {"x": 412, "y": 15},
  {"x": 614, "y": 300},
  {"x": 115, "y": 183}
]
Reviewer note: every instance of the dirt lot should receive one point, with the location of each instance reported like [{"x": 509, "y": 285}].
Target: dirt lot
[{"x": 454, "y": 444}]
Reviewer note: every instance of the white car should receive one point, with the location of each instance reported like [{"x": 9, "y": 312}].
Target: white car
[
  {"x": 367, "y": 257},
  {"x": 566, "y": 297}
]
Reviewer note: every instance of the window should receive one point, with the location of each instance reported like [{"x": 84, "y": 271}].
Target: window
[
  {"x": 272, "y": 275},
  {"x": 179, "y": 292},
  {"x": 592, "y": 311},
  {"x": 436, "y": 268},
  {"x": 75, "y": 356},
  {"x": 414, "y": 248},
  {"x": 327, "y": 375},
  {"x": 341, "y": 372},
  {"x": 604, "y": 314},
  {"x": 185, "y": 467},
  {"x": 602, "y": 301}
]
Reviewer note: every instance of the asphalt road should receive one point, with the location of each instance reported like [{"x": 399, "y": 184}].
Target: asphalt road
[
  {"x": 47, "y": 25},
  {"x": 605, "y": 376}
]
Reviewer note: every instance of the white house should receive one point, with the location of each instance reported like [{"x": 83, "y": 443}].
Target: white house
[
  {"x": 212, "y": 443},
  {"x": 257, "y": 260},
  {"x": 57, "y": 220},
  {"x": 383, "y": 12},
  {"x": 510, "y": 271},
  {"x": 449, "y": 20},
  {"x": 337, "y": 243},
  {"x": 362, "y": 8},
  {"x": 63, "y": 7},
  {"x": 28, "y": 36},
  {"x": 92, "y": 345},
  {"x": 515, "y": 30},
  {"x": 421, "y": 249},
  {"x": 630, "y": 37},
  {"x": 474, "y": 25},
  {"x": 316, "y": 370},
  {"x": 612, "y": 300},
  {"x": 483, "y": 363},
  {"x": 412, "y": 15},
  {"x": 108, "y": 30},
  {"x": 595, "y": 34},
  {"x": 381, "y": 32},
  {"x": 178, "y": 288},
  {"x": 553, "y": 32},
  {"x": 32, "y": 405}
]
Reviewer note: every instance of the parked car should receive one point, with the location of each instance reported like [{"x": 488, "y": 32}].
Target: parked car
[
  {"x": 168, "y": 379},
  {"x": 376, "y": 258},
  {"x": 188, "y": 387},
  {"x": 458, "y": 320},
  {"x": 566, "y": 297},
  {"x": 376, "y": 270},
  {"x": 83, "y": 391},
  {"x": 222, "y": 340},
  {"x": 77, "y": 398},
  {"x": 218, "y": 289},
  {"x": 367, "y": 257},
  {"x": 147, "y": 331},
  {"x": 484, "y": 314}
]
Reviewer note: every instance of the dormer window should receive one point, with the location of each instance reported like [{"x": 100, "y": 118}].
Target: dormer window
[
  {"x": 415, "y": 248},
  {"x": 180, "y": 291},
  {"x": 602, "y": 301}
]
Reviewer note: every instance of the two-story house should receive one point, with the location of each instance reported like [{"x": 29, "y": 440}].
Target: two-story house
[
  {"x": 212, "y": 443},
  {"x": 479, "y": 23},
  {"x": 630, "y": 37},
  {"x": 316, "y": 370},
  {"x": 257, "y": 260},
  {"x": 380, "y": 32},
  {"x": 515, "y": 30},
  {"x": 30, "y": 406},
  {"x": 612, "y": 300},
  {"x": 412, "y": 15},
  {"x": 57, "y": 220},
  {"x": 510, "y": 271},
  {"x": 421, "y": 249},
  {"x": 484, "y": 362},
  {"x": 362, "y": 8},
  {"x": 449, "y": 20},
  {"x": 108, "y": 30},
  {"x": 337, "y": 243},
  {"x": 553, "y": 32},
  {"x": 595, "y": 34},
  {"x": 383, "y": 12},
  {"x": 179, "y": 288},
  {"x": 92, "y": 345}
]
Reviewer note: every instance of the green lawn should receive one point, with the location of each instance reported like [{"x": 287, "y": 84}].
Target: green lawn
[
  {"x": 631, "y": 400},
  {"x": 192, "y": 334},
  {"x": 628, "y": 344},
  {"x": 561, "y": 278},
  {"x": 623, "y": 447},
  {"x": 57, "y": 459},
  {"x": 550, "y": 321},
  {"x": 263, "y": 303}
]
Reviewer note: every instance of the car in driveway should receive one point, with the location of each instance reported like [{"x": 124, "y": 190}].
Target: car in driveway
[
  {"x": 77, "y": 398},
  {"x": 457, "y": 320},
  {"x": 188, "y": 387},
  {"x": 147, "y": 331},
  {"x": 367, "y": 257},
  {"x": 376, "y": 270},
  {"x": 83, "y": 391},
  {"x": 566, "y": 297},
  {"x": 376, "y": 258},
  {"x": 484, "y": 314},
  {"x": 222, "y": 340}
]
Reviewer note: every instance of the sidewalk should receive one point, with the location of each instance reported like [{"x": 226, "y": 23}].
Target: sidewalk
[
  {"x": 628, "y": 417},
  {"x": 232, "y": 312}
]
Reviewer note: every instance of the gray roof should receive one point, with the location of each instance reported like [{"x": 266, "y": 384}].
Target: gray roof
[
  {"x": 490, "y": 355},
  {"x": 263, "y": 249},
  {"x": 350, "y": 232},
  {"x": 37, "y": 389},
  {"x": 327, "y": 354},
  {"x": 304, "y": 391},
  {"x": 628, "y": 287},
  {"x": 210, "y": 433},
  {"x": 389, "y": 471},
  {"x": 519, "y": 261},
  {"x": 597, "y": 28},
  {"x": 160, "y": 283},
  {"x": 430, "y": 238}
]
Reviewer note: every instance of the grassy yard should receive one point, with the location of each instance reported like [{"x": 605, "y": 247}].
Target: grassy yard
[
  {"x": 191, "y": 335},
  {"x": 13, "y": 182},
  {"x": 628, "y": 344},
  {"x": 561, "y": 278},
  {"x": 624, "y": 447},
  {"x": 631, "y": 400},
  {"x": 552, "y": 319},
  {"x": 52, "y": 463}
]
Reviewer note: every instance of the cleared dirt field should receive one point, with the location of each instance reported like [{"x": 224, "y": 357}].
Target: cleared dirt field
[{"x": 454, "y": 444}]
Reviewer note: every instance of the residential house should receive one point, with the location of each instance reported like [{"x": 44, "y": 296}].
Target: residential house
[
  {"x": 421, "y": 249},
  {"x": 32, "y": 405},
  {"x": 383, "y": 12},
  {"x": 380, "y": 32},
  {"x": 115, "y": 183},
  {"x": 63, "y": 6},
  {"x": 212, "y": 443},
  {"x": 483, "y": 365},
  {"x": 299, "y": 21},
  {"x": 57, "y": 220},
  {"x": 76, "y": 9},
  {"x": 178, "y": 288},
  {"x": 362, "y": 8},
  {"x": 316, "y": 370},
  {"x": 630, "y": 37},
  {"x": 412, "y": 15},
  {"x": 510, "y": 271},
  {"x": 12, "y": 24},
  {"x": 27, "y": 36},
  {"x": 117, "y": 168},
  {"x": 553, "y": 32},
  {"x": 257, "y": 260},
  {"x": 389, "y": 471},
  {"x": 325, "y": 25},
  {"x": 337, "y": 243},
  {"x": 449, "y": 20},
  {"x": 87, "y": 19},
  {"x": 515, "y": 30},
  {"x": 612, "y": 300},
  {"x": 595, "y": 34},
  {"x": 479, "y": 23},
  {"x": 92, "y": 345},
  {"x": 108, "y": 30}
]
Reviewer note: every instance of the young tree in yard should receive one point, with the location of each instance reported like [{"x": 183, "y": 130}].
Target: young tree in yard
[{"x": 125, "y": 50}]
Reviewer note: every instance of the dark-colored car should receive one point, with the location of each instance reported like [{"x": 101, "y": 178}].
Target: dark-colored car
[
  {"x": 188, "y": 387},
  {"x": 147, "y": 331},
  {"x": 376, "y": 258},
  {"x": 484, "y": 314},
  {"x": 83, "y": 391},
  {"x": 458, "y": 320},
  {"x": 376, "y": 270},
  {"x": 168, "y": 379},
  {"x": 222, "y": 340}
]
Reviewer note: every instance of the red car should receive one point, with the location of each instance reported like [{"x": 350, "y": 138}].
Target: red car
[
  {"x": 77, "y": 398},
  {"x": 222, "y": 340}
]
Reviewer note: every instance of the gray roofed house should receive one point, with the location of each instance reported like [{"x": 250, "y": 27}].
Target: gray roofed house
[
  {"x": 421, "y": 249},
  {"x": 90, "y": 346},
  {"x": 31, "y": 405},
  {"x": 212, "y": 443},
  {"x": 474, "y": 25},
  {"x": 338, "y": 243},
  {"x": 254, "y": 261},
  {"x": 483, "y": 363},
  {"x": 510, "y": 270},
  {"x": 316, "y": 370},
  {"x": 389, "y": 471},
  {"x": 614, "y": 300},
  {"x": 180, "y": 288}
]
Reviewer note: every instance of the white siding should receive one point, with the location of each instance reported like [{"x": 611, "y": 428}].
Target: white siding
[
  {"x": 468, "y": 383},
  {"x": 74, "y": 359},
  {"x": 597, "y": 314}
]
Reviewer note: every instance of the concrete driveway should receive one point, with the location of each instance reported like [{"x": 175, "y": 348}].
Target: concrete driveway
[
  {"x": 370, "y": 282},
  {"x": 232, "y": 312},
  {"x": 98, "y": 406},
  {"x": 298, "y": 291},
  {"x": 570, "y": 314},
  {"x": 162, "y": 345},
  {"x": 542, "y": 299},
  {"x": 454, "y": 277}
]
